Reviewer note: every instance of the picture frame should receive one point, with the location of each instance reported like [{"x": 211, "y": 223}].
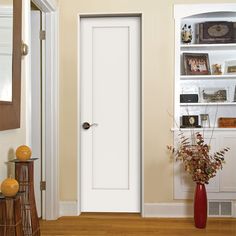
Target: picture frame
[
  {"x": 196, "y": 64},
  {"x": 230, "y": 67},
  {"x": 213, "y": 94},
  {"x": 215, "y": 32}
]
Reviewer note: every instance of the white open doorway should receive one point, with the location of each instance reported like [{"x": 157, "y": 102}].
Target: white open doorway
[
  {"x": 110, "y": 114},
  {"x": 49, "y": 113}
]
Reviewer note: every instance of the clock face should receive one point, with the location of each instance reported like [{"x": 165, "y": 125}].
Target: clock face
[
  {"x": 191, "y": 120},
  {"x": 218, "y": 30}
]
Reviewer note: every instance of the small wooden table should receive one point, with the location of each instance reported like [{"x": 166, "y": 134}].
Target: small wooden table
[
  {"x": 10, "y": 216},
  {"x": 24, "y": 174}
]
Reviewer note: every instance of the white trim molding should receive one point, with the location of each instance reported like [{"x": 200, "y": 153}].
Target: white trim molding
[
  {"x": 68, "y": 208},
  {"x": 234, "y": 209},
  {"x": 184, "y": 10},
  {"x": 159, "y": 210},
  {"x": 46, "y": 5},
  {"x": 173, "y": 210},
  {"x": 168, "y": 210}
]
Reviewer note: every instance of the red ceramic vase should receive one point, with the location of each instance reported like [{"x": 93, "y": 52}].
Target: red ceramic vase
[{"x": 200, "y": 206}]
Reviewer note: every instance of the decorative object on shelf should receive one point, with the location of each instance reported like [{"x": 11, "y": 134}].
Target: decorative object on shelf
[
  {"x": 227, "y": 122},
  {"x": 230, "y": 67},
  {"x": 10, "y": 216},
  {"x": 196, "y": 64},
  {"x": 205, "y": 120},
  {"x": 215, "y": 32},
  {"x": 213, "y": 94},
  {"x": 188, "y": 98},
  {"x": 187, "y": 33},
  {"x": 190, "y": 121},
  {"x": 235, "y": 93},
  {"x": 197, "y": 160},
  {"x": 216, "y": 69},
  {"x": 24, "y": 173},
  {"x": 9, "y": 187},
  {"x": 23, "y": 153}
]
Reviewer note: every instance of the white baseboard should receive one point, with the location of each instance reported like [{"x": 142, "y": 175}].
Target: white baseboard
[
  {"x": 165, "y": 210},
  {"x": 234, "y": 209},
  {"x": 174, "y": 210},
  {"x": 162, "y": 210},
  {"x": 68, "y": 208}
]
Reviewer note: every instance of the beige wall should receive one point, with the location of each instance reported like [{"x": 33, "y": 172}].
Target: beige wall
[
  {"x": 6, "y": 2},
  {"x": 11, "y": 139},
  {"x": 158, "y": 73}
]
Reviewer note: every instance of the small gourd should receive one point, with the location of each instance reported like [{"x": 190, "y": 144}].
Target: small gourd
[
  {"x": 23, "y": 153},
  {"x": 9, "y": 187}
]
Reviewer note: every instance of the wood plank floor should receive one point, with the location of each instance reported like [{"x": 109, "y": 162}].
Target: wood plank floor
[{"x": 133, "y": 225}]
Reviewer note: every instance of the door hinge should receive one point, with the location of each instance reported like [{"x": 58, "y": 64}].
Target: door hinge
[
  {"x": 43, "y": 185},
  {"x": 42, "y": 35}
]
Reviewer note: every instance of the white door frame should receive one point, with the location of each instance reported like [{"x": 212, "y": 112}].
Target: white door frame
[
  {"x": 79, "y": 102},
  {"x": 50, "y": 160}
]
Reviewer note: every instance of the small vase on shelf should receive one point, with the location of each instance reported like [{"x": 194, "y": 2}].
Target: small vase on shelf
[
  {"x": 186, "y": 34},
  {"x": 200, "y": 206}
]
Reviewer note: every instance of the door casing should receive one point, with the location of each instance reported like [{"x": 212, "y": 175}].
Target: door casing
[{"x": 140, "y": 15}]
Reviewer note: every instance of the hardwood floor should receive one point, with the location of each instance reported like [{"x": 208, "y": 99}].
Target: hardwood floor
[{"x": 89, "y": 224}]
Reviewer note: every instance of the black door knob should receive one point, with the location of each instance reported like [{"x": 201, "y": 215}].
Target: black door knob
[{"x": 86, "y": 125}]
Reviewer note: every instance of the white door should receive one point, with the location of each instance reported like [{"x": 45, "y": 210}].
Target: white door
[
  {"x": 36, "y": 107},
  {"x": 110, "y": 103}
]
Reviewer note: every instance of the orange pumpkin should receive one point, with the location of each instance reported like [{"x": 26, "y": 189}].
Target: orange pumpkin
[
  {"x": 23, "y": 153},
  {"x": 9, "y": 187}
]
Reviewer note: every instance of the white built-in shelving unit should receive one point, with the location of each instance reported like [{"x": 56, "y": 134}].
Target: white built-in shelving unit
[{"x": 223, "y": 186}]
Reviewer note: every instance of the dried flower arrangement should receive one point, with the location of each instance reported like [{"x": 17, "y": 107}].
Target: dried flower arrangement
[{"x": 196, "y": 157}]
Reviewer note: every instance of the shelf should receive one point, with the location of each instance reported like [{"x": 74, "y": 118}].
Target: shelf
[
  {"x": 207, "y": 77},
  {"x": 218, "y": 53},
  {"x": 203, "y": 129},
  {"x": 228, "y": 46},
  {"x": 209, "y": 104}
]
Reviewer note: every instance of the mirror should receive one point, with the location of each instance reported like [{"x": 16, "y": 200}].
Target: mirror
[
  {"x": 10, "y": 63},
  {"x": 6, "y": 32}
]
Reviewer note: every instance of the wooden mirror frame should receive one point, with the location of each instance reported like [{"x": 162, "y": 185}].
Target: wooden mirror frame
[{"x": 10, "y": 111}]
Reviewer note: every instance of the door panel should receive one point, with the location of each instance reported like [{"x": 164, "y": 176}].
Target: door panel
[
  {"x": 228, "y": 174},
  {"x": 110, "y": 98},
  {"x": 110, "y": 95}
]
